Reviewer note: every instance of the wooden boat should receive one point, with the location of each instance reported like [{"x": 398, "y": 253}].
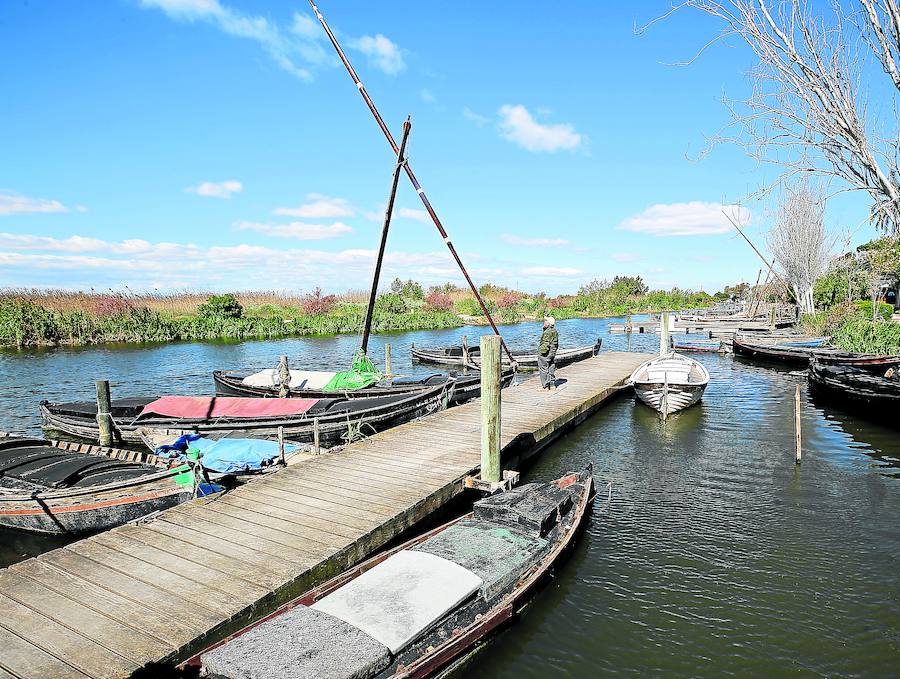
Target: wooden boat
[
  {"x": 779, "y": 352},
  {"x": 526, "y": 360},
  {"x": 858, "y": 388},
  {"x": 46, "y": 487},
  {"x": 686, "y": 344},
  {"x": 874, "y": 362},
  {"x": 465, "y": 387},
  {"x": 670, "y": 382},
  {"x": 418, "y": 609},
  {"x": 337, "y": 419}
]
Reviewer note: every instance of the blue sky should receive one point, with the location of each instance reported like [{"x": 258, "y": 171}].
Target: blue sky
[{"x": 219, "y": 144}]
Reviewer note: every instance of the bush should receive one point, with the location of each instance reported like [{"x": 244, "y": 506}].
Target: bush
[
  {"x": 861, "y": 335},
  {"x": 317, "y": 304},
  {"x": 221, "y": 306},
  {"x": 439, "y": 301},
  {"x": 390, "y": 303},
  {"x": 509, "y": 300},
  {"x": 467, "y": 306},
  {"x": 865, "y": 309}
]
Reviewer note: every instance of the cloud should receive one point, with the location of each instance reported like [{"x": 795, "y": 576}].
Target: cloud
[
  {"x": 561, "y": 271},
  {"x": 12, "y": 203},
  {"x": 472, "y": 117},
  {"x": 427, "y": 95},
  {"x": 319, "y": 207},
  {"x": 382, "y": 53},
  {"x": 534, "y": 242},
  {"x": 519, "y": 126},
  {"x": 298, "y": 230},
  {"x": 216, "y": 189},
  {"x": 625, "y": 257},
  {"x": 686, "y": 219},
  {"x": 417, "y": 215}
]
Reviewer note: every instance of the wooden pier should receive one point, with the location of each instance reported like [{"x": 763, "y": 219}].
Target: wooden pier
[{"x": 129, "y": 599}]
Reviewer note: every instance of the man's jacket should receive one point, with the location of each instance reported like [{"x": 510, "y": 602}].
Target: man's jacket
[{"x": 549, "y": 342}]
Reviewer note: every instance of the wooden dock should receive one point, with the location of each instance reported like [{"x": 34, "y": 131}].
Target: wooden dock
[{"x": 126, "y": 600}]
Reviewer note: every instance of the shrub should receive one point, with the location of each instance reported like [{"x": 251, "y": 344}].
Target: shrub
[
  {"x": 111, "y": 305},
  {"x": 221, "y": 306},
  {"x": 865, "y": 309},
  {"x": 390, "y": 303},
  {"x": 439, "y": 301},
  {"x": 467, "y": 306},
  {"x": 317, "y": 304},
  {"x": 509, "y": 300},
  {"x": 861, "y": 335}
]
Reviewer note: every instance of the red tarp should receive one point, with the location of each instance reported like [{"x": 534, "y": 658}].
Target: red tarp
[{"x": 213, "y": 407}]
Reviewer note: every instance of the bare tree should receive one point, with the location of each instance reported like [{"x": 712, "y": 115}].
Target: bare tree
[
  {"x": 798, "y": 241},
  {"x": 809, "y": 111}
]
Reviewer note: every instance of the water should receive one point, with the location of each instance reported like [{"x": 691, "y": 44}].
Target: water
[{"x": 717, "y": 555}]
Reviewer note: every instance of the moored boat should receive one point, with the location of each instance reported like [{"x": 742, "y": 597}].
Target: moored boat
[
  {"x": 335, "y": 419},
  {"x": 778, "y": 352},
  {"x": 415, "y": 610},
  {"x": 876, "y": 393},
  {"x": 874, "y": 362},
  {"x": 48, "y": 488},
  {"x": 686, "y": 344},
  {"x": 670, "y": 382},
  {"x": 460, "y": 355}
]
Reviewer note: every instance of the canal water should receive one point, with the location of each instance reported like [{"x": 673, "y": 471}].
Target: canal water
[{"x": 716, "y": 554}]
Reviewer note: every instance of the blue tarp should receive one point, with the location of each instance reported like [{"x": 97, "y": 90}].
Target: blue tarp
[{"x": 232, "y": 455}]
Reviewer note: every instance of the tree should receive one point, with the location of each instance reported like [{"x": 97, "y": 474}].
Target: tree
[
  {"x": 799, "y": 243},
  {"x": 808, "y": 111}
]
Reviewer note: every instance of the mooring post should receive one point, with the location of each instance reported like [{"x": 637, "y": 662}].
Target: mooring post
[
  {"x": 388, "y": 368},
  {"x": 316, "y": 448},
  {"x": 664, "y": 333},
  {"x": 490, "y": 408},
  {"x": 797, "y": 423},
  {"x": 465, "y": 343},
  {"x": 281, "y": 445},
  {"x": 284, "y": 378},
  {"x": 104, "y": 419}
]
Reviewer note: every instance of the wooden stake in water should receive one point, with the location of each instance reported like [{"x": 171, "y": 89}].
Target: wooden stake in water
[
  {"x": 284, "y": 378},
  {"x": 316, "y": 448},
  {"x": 465, "y": 348},
  {"x": 490, "y": 408},
  {"x": 797, "y": 422},
  {"x": 281, "y": 445},
  {"x": 104, "y": 419},
  {"x": 388, "y": 368},
  {"x": 664, "y": 333}
]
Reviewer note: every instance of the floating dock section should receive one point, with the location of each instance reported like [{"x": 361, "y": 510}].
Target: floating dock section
[{"x": 133, "y": 598}]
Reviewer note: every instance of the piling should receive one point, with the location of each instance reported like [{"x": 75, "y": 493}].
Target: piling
[
  {"x": 465, "y": 348},
  {"x": 284, "y": 378},
  {"x": 281, "y": 445},
  {"x": 490, "y": 408},
  {"x": 664, "y": 333},
  {"x": 316, "y": 448},
  {"x": 797, "y": 423},
  {"x": 388, "y": 369},
  {"x": 104, "y": 419}
]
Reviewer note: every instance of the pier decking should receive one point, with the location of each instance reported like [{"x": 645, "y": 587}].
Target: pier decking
[{"x": 127, "y": 599}]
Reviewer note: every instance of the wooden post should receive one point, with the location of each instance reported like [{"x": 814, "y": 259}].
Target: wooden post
[
  {"x": 772, "y": 317},
  {"x": 104, "y": 419},
  {"x": 797, "y": 422},
  {"x": 628, "y": 330},
  {"x": 281, "y": 445},
  {"x": 316, "y": 448},
  {"x": 388, "y": 368},
  {"x": 490, "y": 408},
  {"x": 664, "y": 333},
  {"x": 465, "y": 348},
  {"x": 284, "y": 378}
]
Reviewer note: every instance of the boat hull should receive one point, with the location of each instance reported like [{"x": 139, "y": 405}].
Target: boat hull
[
  {"x": 857, "y": 389},
  {"x": 788, "y": 355},
  {"x": 668, "y": 399},
  {"x": 670, "y": 383},
  {"x": 525, "y": 361}
]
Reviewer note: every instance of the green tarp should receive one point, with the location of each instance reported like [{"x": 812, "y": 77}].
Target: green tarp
[{"x": 362, "y": 374}]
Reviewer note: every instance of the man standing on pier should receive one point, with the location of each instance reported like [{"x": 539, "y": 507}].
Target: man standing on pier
[{"x": 547, "y": 353}]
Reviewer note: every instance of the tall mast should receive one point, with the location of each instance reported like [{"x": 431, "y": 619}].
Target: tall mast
[
  {"x": 409, "y": 173},
  {"x": 389, "y": 210}
]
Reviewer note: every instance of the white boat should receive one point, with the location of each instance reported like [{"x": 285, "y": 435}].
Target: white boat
[{"x": 670, "y": 382}]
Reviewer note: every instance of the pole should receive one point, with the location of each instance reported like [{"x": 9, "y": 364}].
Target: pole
[
  {"x": 388, "y": 368},
  {"x": 753, "y": 292},
  {"x": 490, "y": 408},
  {"x": 409, "y": 173},
  {"x": 281, "y": 445},
  {"x": 797, "y": 423},
  {"x": 284, "y": 378},
  {"x": 465, "y": 348},
  {"x": 664, "y": 333},
  {"x": 388, "y": 212},
  {"x": 758, "y": 253},
  {"x": 104, "y": 419},
  {"x": 316, "y": 448}
]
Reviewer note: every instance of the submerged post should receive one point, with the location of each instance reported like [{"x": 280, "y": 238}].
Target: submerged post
[
  {"x": 797, "y": 423},
  {"x": 104, "y": 419},
  {"x": 388, "y": 368},
  {"x": 490, "y": 408},
  {"x": 284, "y": 378},
  {"x": 664, "y": 333}
]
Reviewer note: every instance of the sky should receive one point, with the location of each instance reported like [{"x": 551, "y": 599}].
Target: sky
[{"x": 220, "y": 145}]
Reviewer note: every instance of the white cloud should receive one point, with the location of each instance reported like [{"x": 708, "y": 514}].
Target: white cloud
[
  {"x": 472, "y": 117},
  {"x": 298, "y": 230},
  {"x": 383, "y": 54},
  {"x": 417, "y": 215},
  {"x": 216, "y": 189},
  {"x": 12, "y": 203},
  {"x": 427, "y": 95},
  {"x": 319, "y": 207},
  {"x": 519, "y": 126},
  {"x": 686, "y": 219},
  {"x": 305, "y": 26},
  {"x": 625, "y": 257},
  {"x": 534, "y": 242},
  {"x": 561, "y": 271}
]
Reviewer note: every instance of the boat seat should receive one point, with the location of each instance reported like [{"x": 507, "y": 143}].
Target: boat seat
[
  {"x": 12, "y": 460},
  {"x": 63, "y": 472}
]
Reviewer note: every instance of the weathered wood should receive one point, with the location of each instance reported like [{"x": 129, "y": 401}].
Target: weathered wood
[
  {"x": 664, "y": 333},
  {"x": 490, "y": 408},
  {"x": 104, "y": 419},
  {"x": 797, "y": 424},
  {"x": 388, "y": 366},
  {"x": 284, "y": 378}
]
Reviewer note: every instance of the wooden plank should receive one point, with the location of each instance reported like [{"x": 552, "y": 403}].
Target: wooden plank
[
  {"x": 336, "y": 533},
  {"x": 264, "y": 497},
  {"x": 28, "y": 661},
  {"x": 358, "y": 514},
  {"x": 8, "y": 675}
]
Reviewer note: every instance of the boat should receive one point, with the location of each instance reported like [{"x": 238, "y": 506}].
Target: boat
[
  {"x": 422, "y": 607},
  {"x": 670, "y": 382},
  {"x": 686, "y": 344},
  {"x": 304, "y": 384},
  {"x": 857, "y": 388},
  {"x": 46, "y": 487},
  {"x": 779, "y": 352},
  {"x": 470, "y": 357},
  {"x": 874, "y": 362},
  {"x": 335, "y": 419}
]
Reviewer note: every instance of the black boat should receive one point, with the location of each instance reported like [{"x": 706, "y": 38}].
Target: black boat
[
  {"x": 465, "y": 387},
  {"x": 470, "y": 357},
  {"x": 424, "y": 606},
  {"x": 774, "y": 352},
  {"x": 336, "y": 419},
  {"x": 48, "y": 488},
  {"x": 872, "y": 362},
  {"x": 857, "y": 388}
]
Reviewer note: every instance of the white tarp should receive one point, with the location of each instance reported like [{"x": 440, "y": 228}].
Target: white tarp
[
  {"x": 300, "y": 379},
  {"x": 402, "y": 597}
]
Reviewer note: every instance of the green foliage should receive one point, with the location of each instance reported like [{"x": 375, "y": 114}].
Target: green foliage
[
  {"x": 390, "y": 303},
  {"x": 861, "y": 335},
  {"x": 467, "y": 306},
  {"x": 221, "y": 306},
  {"x": 407, "y": 289},
  {"x": 885, "y": 311}
]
